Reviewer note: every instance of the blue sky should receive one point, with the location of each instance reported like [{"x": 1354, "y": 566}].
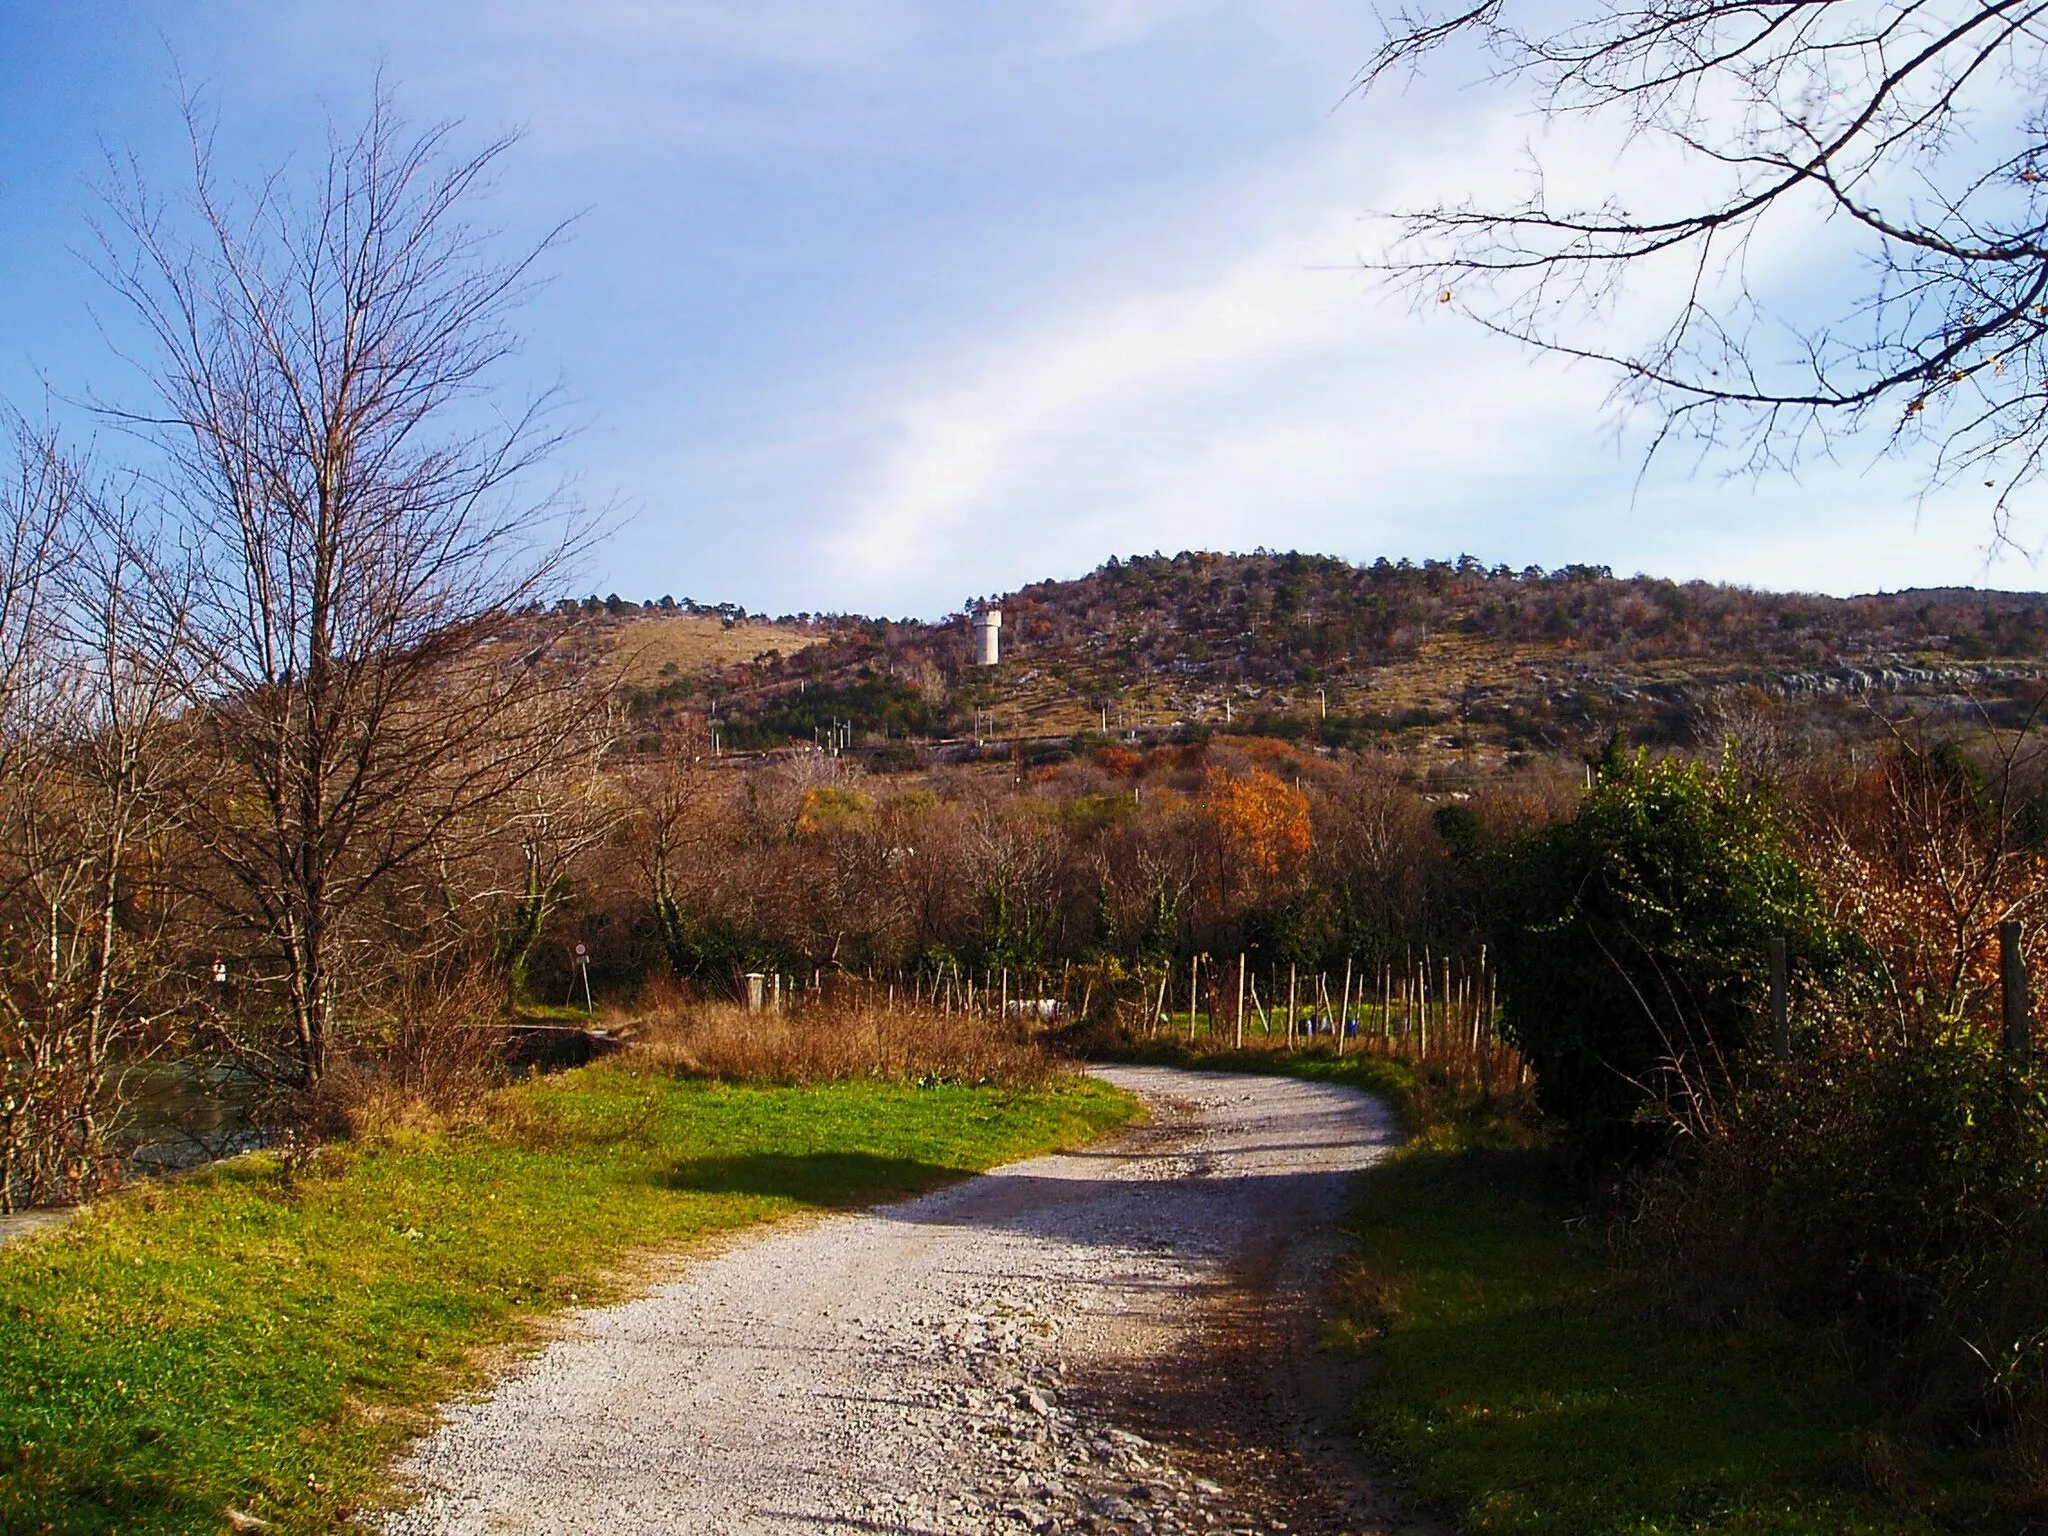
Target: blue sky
[{"x": 877, "y": 304}]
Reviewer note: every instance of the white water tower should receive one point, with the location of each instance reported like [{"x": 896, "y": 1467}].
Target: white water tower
[{"x": 988, "y": 635}]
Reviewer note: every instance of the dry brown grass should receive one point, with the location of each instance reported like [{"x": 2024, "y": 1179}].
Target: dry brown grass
[
  {"x": 640, "y": 648},
  {"x": 428, "y": 1063},
  {"x": 835, "y": 1041}
]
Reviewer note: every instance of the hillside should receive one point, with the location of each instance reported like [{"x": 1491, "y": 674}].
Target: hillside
[{"x": 1448, "y": 660}]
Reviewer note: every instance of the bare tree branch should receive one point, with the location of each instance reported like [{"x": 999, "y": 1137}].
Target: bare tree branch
[{"x": 1913, "y": 127}]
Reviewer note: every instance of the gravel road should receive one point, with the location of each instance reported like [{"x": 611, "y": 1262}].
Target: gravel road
[{"x": 1113, "y": 1340}]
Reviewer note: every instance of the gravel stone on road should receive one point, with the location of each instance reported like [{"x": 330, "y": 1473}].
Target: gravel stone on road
[{"x": 1119, "y": 1339}]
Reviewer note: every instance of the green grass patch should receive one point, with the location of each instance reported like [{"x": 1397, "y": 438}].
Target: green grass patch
[
  {"x": 267, "y": 1337},
  {"x": 1523, "y": 1386},
  {"x": 530, "y": 1012}
]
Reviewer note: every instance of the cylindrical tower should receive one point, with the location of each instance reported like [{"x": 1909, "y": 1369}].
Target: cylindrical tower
[{"x": 988, "y": 636}]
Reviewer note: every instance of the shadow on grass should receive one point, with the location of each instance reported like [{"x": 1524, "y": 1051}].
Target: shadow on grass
[
  {"x": 1524, "y": 1383},
  {"x": 1291, "y": 1182},
  {"x": 87, "y": 1489},
  {"x": 825, "y": 1180}
]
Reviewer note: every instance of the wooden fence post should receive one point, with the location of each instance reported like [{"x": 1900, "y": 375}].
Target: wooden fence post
[
  {"x": 1422, "y": 1010},
  {"x": 2012, "y": 974},
  {"x": 1240, "y": 999},
  {"x": 1449, "y": 1002}
]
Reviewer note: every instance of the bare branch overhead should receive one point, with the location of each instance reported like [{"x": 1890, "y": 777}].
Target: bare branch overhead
[{"x": 1912, "y": 131}]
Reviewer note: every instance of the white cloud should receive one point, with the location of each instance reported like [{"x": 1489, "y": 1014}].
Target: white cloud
[
  {"x": 1242, "y": 387},
  {"x": 1097, "y": 24},
  {"x": 445, "y": 41},
  {"x": 998, "y": 300},
  {"x": 1266, "y": 392}
]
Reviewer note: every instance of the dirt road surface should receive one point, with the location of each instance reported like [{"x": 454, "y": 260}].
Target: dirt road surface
[{"x": 1114, "y": 1340}]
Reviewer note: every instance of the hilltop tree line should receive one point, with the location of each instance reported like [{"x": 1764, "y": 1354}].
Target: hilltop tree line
[{"x": 1279, "y": 621}]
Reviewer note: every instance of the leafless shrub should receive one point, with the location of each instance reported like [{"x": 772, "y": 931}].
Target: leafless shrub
[{"x": 427, "y": 1061}]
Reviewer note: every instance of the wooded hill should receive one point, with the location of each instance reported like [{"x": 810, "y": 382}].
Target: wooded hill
[{"x": 1453, "y": 660}]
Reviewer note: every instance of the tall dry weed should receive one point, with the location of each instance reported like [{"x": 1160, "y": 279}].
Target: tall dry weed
[
  {"x": 842, "y": 1040},
  {"x": 427, "y": 1061}
]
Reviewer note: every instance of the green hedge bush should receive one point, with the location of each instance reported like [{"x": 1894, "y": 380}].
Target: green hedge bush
[{"x": 1632, "y": 943}]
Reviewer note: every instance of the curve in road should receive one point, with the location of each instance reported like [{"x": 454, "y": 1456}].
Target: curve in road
[{"x": 1114, "y": 1339}]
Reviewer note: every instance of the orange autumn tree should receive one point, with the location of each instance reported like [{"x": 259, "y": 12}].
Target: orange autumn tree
[
  {"x": 1924, "y": 854},
  {"x": 1262, "y": 824}
]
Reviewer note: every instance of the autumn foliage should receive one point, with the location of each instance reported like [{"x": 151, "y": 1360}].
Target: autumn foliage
[
  {"x": 1120, "y": 762},
  {"x": 1924, "y": 853},
  {"x": 1263, "y": 823}
]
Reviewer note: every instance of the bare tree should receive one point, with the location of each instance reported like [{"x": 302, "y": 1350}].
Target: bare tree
[
  {"x": 87, "y": 748},
  {"x": 1375, "y": 850},
  {"x": 671, "y": 832},
  {"x": 1913, "y": 130},
  {"x": 560, "y": 815},
  {"x": 1013, "y": 858},
  {"x": 358, "y": 510},
  {"x": 35, "y": 506},
  {"x": 1928, "y": 852}
]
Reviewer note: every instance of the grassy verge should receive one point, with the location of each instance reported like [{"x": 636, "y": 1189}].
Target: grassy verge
[
  {"x": 1524, "y": 1387},
  {"x": 264, "y": 1337}
]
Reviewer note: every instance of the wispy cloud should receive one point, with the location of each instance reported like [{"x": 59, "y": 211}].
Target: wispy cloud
[
  {"x": 1251, "y": 385},
  {"x": 881, "y": 302}
]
